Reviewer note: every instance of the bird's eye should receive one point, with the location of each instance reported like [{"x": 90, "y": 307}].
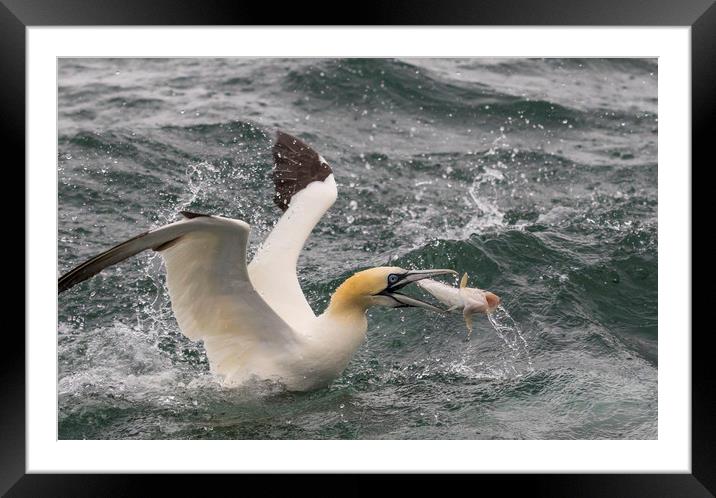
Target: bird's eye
[{"x": 393, "y": 278}]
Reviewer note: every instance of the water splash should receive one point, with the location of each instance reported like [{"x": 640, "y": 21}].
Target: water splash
[
  {"x": 484, "y": 194},
  {"x": 507, "y": 329},
  {"x": 488, "y": 212},
  {"x": 154, "y": 314},
  {"x": 200, "y": 176}
]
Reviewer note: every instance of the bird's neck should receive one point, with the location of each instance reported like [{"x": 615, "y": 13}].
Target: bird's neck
[
  {"x": 340, "y": 331},
  {"x": 349, "y": 299},
  {"x": 347, "y": 310}
]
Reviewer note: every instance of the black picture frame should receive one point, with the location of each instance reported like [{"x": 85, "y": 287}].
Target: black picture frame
[{"x": 700, "y": 15}]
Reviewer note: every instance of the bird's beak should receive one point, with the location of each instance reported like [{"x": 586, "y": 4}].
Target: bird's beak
[
  {"x": 409, "y": 277},
  {"x": 415, "y": 275}
]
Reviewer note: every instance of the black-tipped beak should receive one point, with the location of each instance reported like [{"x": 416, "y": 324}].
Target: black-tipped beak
[{"x": 409, "y": 277}]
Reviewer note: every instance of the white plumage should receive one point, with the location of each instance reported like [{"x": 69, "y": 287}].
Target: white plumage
[{"x": 254, "y": 320}]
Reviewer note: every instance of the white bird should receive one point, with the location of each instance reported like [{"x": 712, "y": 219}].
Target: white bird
[{"x": 254, "y": 320}]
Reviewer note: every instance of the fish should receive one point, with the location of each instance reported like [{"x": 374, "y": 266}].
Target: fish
[{"x": 470, "y": 300}]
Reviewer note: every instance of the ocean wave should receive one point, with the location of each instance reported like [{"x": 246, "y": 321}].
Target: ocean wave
[
  {"x": 537, "y": 177},
  {"x": 400, "y": 87}
]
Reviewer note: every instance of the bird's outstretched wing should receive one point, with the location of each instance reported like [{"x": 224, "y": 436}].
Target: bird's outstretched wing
[
  {"x": 296, "y": 165},
  {"x": 305, "y": 190},
  {"x": 211, "y": 293}
]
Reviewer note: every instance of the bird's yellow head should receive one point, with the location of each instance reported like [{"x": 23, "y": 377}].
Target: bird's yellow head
[{"x": 379, "y": 287}]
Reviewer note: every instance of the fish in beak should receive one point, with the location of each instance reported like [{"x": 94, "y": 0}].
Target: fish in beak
[
  {"x": 403, "y": 301},
  {"x": 470, "y": 300}
]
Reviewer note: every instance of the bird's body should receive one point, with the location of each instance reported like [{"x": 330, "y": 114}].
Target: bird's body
[{"x": 254, "y": 319}]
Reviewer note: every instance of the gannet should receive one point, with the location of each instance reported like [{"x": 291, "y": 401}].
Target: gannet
[
  {"x": 470, "y": 299},
  {"x": 255, "y": 321}
]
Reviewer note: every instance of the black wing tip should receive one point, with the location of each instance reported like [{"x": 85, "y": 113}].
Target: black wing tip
[
  {"x": 66, "y": 282},
  {"x": 296, "y": 164},
  {"x": 290, "y": 144},
  {"x": 62, "y": 285},
  {"x": 191, "y": 215},
  {"x": 282, "y": 135}
]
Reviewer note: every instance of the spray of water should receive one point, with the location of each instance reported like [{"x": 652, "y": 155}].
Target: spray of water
[
  {"x": 154, "y": 314},
  {"x": 507, "y": 329}
]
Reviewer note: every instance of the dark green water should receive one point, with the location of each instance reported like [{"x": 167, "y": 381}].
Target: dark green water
[{"x": 537, "y": 177}]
